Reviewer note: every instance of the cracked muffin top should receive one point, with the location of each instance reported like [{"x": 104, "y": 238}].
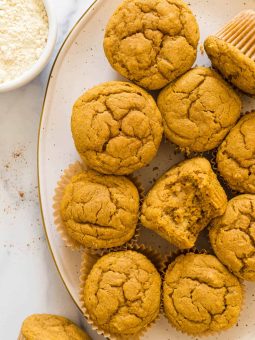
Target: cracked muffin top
[
  {"x": 233, "y": 236},
  {"x": 50, "y": 327},
  {"x": 183, "y": 201},
  {"x": 122, "y": 293},
  {"x": 238, "y": 68},
  {"x": 152, "y": 42},
  {"x": 198, "y": 110},
  {"x": 200, "y": 295},
  {"x": 117, "y": 128},
  {"x": 100, "y": 211},
  {"x": 236, "y": 156}
]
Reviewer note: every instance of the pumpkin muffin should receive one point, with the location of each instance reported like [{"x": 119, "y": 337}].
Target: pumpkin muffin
[
  {"x": 117, "y": 128},
  {"x": 233, "y": 236},
  {"x": 100, "y": 211},
  {"x": 122, "y": 293},
  {"x": 198, "y": 110},
  {"x": 232, "y": 51},
  {"x": 50, "y": 327},
  {"x": 200, "y": 295},
  {"x": 236, "y": 156},
  {"x": 183, "y": 202},
  {"x": 152, "y": 42}
]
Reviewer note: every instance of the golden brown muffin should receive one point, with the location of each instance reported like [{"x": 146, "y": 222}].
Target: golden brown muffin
[
  {"x": 100, "y": 211},
  {"x": 117, "y": 128},
  {"x": 50, "y": 327},
  {"x": 200, "y": 295},
  {"x": 183, "y": 201},
  {"x": 232, "y": 51},
  {"x": 233, "y": 236},
  {"x": 198, "y": 110},
  {"x": 236, "y": 156},
  {"x": 235, "y": 66},
  {"x": 152, "y": 42},
  {"x": 122, "y": 293}
]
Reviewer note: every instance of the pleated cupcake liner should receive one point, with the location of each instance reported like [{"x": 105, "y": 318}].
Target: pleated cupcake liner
[
  {"x": 170, "y": 258},
  {"x": 69, "y": 172},
  {"x": 240, "y": 32},
  {"x": 88, "y": 261}
]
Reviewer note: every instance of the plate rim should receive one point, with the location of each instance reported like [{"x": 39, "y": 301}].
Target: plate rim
[{"x": 87, "y": 11}]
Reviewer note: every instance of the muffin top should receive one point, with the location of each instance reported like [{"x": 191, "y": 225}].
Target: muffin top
[
  {"x": 144, "y": 40},
  {"x": 117, "y": 128},
  {"x": 238, "y": 68},
  {"x": 183, "y": 201},
  {"x": 200, "y": 295},
  {"x": 236, "y": 156},
  {"x": 51, "y": 327},
  {"x": 122, "y": 293},
  {"x": 198, "y": 110},
  {"x": 233, "y": 236},
  {"x": 100, "y": 211}
]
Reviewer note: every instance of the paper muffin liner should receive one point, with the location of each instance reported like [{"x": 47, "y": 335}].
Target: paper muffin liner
[
  {"x": 69, "y": 172},
  {"x": 192, "y": 154},
  {"x": 240, "y": 32},
  {"x": 72, "y": 170},
  {"x": 88, "y": 261},
  {"x": 169, "y": 258}
]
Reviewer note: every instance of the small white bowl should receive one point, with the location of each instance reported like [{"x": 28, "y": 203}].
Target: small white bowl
[{"x": 37, "y": 68}]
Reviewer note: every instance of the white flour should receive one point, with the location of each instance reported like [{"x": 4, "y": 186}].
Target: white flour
[{"x": 23, "y": 36}]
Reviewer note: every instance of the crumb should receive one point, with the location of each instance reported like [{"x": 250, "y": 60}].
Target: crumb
[
  {"x": 16, "y": 154},
  {"x": 7, "y": 166},
  {"x": 21, "y": 194},
  {"x": 202, "y": 50}
]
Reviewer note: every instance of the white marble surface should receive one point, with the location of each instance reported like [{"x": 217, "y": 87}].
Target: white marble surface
[{"x": 29, "y": 280}]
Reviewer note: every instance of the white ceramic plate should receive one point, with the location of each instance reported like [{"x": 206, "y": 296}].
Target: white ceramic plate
[{"x": 80, "y": 65}]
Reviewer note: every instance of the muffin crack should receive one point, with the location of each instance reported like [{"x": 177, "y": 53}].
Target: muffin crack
[
  {"x": 128, "y": 286},
  {"x": 200, "y": 295},
  {"x": 144, "y": 52},
  {"x": 116, "y": 131},
  {"x": 232, "y": 236},
  {"x": 204, "y": 105}
]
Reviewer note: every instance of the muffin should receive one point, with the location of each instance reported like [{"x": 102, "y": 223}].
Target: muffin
[
  {"x": 122, "y": 293},
  {"x": 100, "y": 211},
  {"x": 236, "y": 156},
  {"x": 232, "y": 51},
  {"x": 50, "y": 327},
  {"x": 183, "y": 201},
  {"x": 117, "y": 128},
  {"x": 152, "y": 42},
  {"x": 233, "y": 236},
  {"x": 200, "y": 295},
  {"x": 198, "y": 110}
]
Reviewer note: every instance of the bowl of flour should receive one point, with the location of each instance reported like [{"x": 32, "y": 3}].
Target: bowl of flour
[{"x": 27, "y": 39}]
